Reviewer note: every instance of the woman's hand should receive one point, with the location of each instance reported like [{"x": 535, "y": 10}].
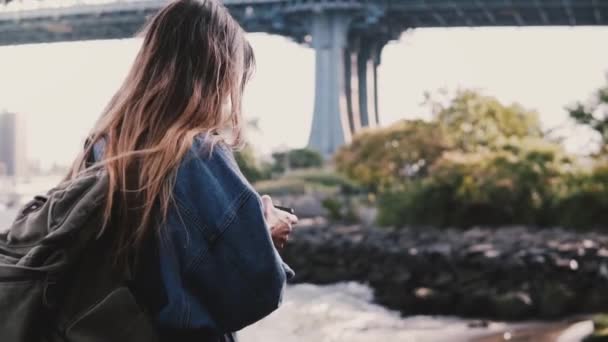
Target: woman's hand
[{"x": 280, "y": 222}]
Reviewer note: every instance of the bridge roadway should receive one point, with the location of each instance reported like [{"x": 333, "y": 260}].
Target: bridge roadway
[{"x": 347, "y": 35}]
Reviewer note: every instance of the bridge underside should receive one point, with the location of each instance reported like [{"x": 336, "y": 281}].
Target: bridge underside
[
  {"x": 32, "y": 32},
  {"x": 285, "y": 17},
  {"x": 74, "y": 23},
  {"x": 347, "y": 35}
]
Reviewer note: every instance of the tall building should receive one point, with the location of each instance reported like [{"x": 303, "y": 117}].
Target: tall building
[{"x": 13, "y": 161}]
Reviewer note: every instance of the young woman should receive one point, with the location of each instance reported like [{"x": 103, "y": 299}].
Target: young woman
[{"x": 204, "y": 241}]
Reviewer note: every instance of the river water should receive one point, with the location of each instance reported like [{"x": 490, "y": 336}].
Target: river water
[{"x": 345, "y": 312}]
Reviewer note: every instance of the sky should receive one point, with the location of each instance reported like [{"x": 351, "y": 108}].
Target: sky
[{"x": 61, "y": 88}]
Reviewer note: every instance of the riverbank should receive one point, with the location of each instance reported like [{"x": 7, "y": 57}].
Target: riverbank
[
  {"x": 345, "y": 312},
  {"x": 511, "y": 273}
]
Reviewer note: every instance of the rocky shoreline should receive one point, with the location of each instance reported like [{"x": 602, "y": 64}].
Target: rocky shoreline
[{"x": 511, "y": 273}]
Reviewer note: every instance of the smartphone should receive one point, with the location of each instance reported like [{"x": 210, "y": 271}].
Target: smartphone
[{"x": 286, "y": 209}]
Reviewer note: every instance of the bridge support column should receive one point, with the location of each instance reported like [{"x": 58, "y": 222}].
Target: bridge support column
[
  {"x": 376, "y": 54},
  {"x": 331, "y": 125},
  {"x": 367, "y": 81},
  {"x": 351, "y": 64},
  {"x": 369, "y": 59},
  {"x": 346, "y": 86}
]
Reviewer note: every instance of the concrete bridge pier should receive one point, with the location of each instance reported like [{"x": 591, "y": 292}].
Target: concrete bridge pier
[
  {"x": 331, "y": 126},
  {"x": 346, "y": 96},
  {"x": 368, "y": 61}
]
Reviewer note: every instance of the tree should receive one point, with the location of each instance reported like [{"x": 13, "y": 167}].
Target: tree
[
  {"x": 247, "y": 160},
  {"x": 489, "y": 188},
  {"x": 594, "y": 114},
  {"x": 303, "y": 158},
  {"x": 384, "y": 158},
  {"x": 249, "y": 165},
  {"x": 473, "y": 122},
  {"x": 583, "y": 199},
  {"x": 478, "y": 162}
]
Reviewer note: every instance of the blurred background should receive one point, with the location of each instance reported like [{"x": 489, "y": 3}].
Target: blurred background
[{"x": 448, "y": 158}]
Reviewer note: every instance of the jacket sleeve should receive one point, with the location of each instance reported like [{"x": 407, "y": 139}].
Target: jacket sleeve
[{"x": 234, "y": 268}]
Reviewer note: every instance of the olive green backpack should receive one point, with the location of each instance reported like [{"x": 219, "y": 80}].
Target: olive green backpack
[{"x": 57, "y": 282}]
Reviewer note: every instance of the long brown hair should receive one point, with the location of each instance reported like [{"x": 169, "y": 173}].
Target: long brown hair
[{"x": 187, "y": 79}]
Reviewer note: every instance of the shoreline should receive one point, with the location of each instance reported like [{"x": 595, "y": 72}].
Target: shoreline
[
  {"x": 511, "y": 273},
  {"x": 562, "y": 331},
  {"x": 477, "y": 331}
]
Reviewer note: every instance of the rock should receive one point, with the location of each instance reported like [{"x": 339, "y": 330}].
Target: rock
[
  {"x": 367, "y": 215},
  {"x": 491, "y": 254},
  {"x": 506, "y": 273},
  {"x": 513, "y": 305},
  {"x": 555, "y": 300},
  {"x": 423, "y": 292},
  {"x": 479, "y": 324},
  {"x": 603, "y": 270},
  {"x": 480, "y": 248}
]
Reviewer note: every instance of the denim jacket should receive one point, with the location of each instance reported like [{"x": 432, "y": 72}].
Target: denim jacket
[{"x": 219, "y": 270}]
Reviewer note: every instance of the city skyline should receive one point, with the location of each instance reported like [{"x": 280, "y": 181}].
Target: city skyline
[
  {"x": 545, "y": 69},
  {"x": 13, "y": 155}
]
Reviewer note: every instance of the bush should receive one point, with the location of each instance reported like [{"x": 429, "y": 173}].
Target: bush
[
  {"x": 386, "y": 158},
  {"x": 301, "y": 158},
  {"x": 583, "y": 202},
  {"x": 500, "y": 190},
  {"x": 383, "y": 158},
  {"x": 307, "y": 181},
  {"x": 600, "y": 329},
  {"x": 334, "y": 208},
  {"x": 464, "y": 190},
  {"x": 341, "y": 210},
  {"x": 479, "y": 162},
  {"x": 295, "y": 159},
  {"x": 251, "y": 169},
  {"x": 592, "y": 114},
  {"x": 326, "y": 178},
  {"x": 473, "y": 122}
]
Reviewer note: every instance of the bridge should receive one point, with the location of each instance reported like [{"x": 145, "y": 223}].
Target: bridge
[{"x": 347, "y": 35}]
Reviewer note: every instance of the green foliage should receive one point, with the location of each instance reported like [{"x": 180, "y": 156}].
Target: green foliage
[
  {"x": 477, "y": 189},
  {"x": 476, "y": 123},
  {"x": 479, "y": 163},
  {"x": 535, "y": 187},
  {"x": 600, "y": 329},
  {"x": 334, "y": 208},
  {"x": 296, "y": 159},
  {"x": 384, "y": 158},
  {"x": 340, "y": 209},
  {"x": 301, "y": 158},
  {"x": 594, "y": 114},
  {"x": 387, "y": 158},
  {"x": 249, "y": 166},
  {"x": 307, "y": 181},
  {"x": 326, "y": 178},
  {"x": 583, "y": 199}
]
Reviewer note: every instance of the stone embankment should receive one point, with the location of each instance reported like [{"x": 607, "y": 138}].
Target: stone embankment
[{"x": 511, "y": 273}]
